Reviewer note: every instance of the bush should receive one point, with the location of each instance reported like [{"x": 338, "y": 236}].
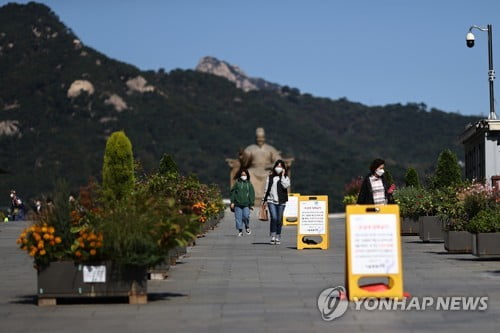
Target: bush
[
  {"x": 411, "y": 178},
  {"x": 448, "y": 172},
  {"x": 118, "y": 168},
  {"x": 487, "y": 220},
  {"x": 407, "y": 198}
]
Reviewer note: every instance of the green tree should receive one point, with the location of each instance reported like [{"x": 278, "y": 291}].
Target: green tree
[
  {"x": 411, "y": 178},
  {"x": 448, "y": 171},
  {"x": 168, "y": 167},
  {"x": 388, "y": 178},
  {"x": 118, "y": 168}
]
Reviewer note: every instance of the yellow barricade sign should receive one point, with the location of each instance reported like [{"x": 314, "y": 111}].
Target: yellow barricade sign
[
  {"x": 291, "y": 213},
  {"x": 373, "y": 250},
  {"x": 313, "y": 221}
]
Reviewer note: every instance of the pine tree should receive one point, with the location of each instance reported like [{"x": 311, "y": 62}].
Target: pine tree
[
  {"x": 447, "y": 171},
  {"x": 388, "y": 178},
  {"x": 168, "y": 167},
  {"x": 411, "y": 178},
  {"x": 118, "y": 168}
]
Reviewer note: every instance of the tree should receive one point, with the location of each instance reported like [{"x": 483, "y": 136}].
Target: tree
[
  {"x": 411, "y": 178},
  {"x": 168, "y": 167},
  {"x": 118, "y": 168},
  {"x": 447, "y": 171},
  {"x": 388, "y": 178}
]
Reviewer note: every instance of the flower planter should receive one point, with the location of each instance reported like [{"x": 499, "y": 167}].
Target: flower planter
[
  {"x": 430, "y": 228},
  {"x": 486, "y": 244},
  {"x": 103, "y": 279},
  {"x": 458, "y": 241},
  {"x": 410, "y": 226}
]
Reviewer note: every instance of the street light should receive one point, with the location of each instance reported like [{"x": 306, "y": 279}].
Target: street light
[{"x": 491, "y": 72}]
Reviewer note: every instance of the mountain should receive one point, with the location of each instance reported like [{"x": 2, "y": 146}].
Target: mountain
[
  {"x": 60, "y": 100},
  {"x": 212, "y": 65}
]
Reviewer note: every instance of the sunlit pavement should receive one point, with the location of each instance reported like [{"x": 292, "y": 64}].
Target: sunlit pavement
[{"x": 227, "y": 283}]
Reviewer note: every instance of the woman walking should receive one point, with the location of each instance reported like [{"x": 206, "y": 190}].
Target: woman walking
[
  {"x": 374, "y": 189},
  {"x": 242, "y": 200},
  {"x": 276, "y": 196}
]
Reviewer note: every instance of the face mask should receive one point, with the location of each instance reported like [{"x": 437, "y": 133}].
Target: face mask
[
  {"x": 379, "y": 172},
  {"x": 243, "y": 177},
  {"x": 278, "y": 170},
  {"x": 11, "y": 195}
]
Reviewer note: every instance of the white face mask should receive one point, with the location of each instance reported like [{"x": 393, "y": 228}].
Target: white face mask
[
  {"x": 278, "y": 170},
  {"x": 243, "y": 177},
  {"x": 379, "y": 172},
  {"x": 11, "y": 195}
]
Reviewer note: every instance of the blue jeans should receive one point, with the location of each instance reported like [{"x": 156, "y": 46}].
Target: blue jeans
[
  {"x": 276, "y": 212},
  {"x": 242, "y": 217}
]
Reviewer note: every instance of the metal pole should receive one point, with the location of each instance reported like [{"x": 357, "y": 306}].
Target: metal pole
[{"x": 491, "y": 74}]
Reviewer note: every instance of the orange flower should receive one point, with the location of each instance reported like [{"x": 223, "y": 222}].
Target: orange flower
[
  {"x": 46, "y": 236},
  {"x": 42, "y": 252},
  {"x": 78, "y": 254},
  {"x": 58, "y": 240},
  {"x": 40, "y": 245},
  {"x": 93, "y": 252}
]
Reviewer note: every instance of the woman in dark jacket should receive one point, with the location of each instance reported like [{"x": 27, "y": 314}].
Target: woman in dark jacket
[
  {"x": 276, "y": 196},
  {"x": 374, "y": 190}
]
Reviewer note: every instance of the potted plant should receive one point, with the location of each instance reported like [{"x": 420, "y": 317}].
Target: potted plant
[
  {"x": 351, "y": 191},
  {"x": 482, "y": 206},
  {"x": 430, "y": 226},
  {"x": 406, "y": 198},
  {"x": 452, "y": 213},
  {"x": 103, "y": 243}
]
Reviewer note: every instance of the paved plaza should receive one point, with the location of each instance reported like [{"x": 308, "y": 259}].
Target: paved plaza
[{"x": 243, "y": 284}]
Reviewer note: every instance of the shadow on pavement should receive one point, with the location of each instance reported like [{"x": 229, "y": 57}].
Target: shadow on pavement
[{"x": 152, "y": 297}]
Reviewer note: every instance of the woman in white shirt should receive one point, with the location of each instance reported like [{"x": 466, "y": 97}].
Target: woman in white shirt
[{"x": 276, "y": 196}]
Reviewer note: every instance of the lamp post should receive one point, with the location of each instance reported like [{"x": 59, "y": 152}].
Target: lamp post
[{"x": 491, "y": 72}]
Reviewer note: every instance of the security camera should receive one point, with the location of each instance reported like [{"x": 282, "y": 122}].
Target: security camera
[{"x": 470, "y": 39}]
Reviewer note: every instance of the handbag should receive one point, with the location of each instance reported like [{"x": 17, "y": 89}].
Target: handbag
[{"x": 263, "y": 213}]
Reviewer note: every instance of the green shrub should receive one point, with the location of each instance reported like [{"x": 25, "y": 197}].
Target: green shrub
[
  {"x": 407, "y": 198},
  {"x": 118, "y": 168},
  {"x": 487, "y": 220},
  {"x": 448, "y": 172},
  {"x": 411, "y": 178}
]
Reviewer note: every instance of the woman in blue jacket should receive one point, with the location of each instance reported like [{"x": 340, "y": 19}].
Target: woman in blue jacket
[{"x": 242, "y": 200}]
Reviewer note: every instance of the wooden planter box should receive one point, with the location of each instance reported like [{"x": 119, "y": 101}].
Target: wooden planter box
[
  {"x": 486, "y": 244},
  {"x": 458, "y": 241},
  {"x": 430, "y": 228},
  {"x": 103, "y": 279},
  {"x": 410, "y": 226}
]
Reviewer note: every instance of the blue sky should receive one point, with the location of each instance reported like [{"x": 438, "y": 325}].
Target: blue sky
[{"x": 375, "y": 52}]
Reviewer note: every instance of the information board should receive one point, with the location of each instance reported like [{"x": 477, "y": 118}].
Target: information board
[
  {"x": 313, "y": 221},
  {"x": 291, "y": 212},
  {"x": 374, "y": 244},
  {"x": 373, "y": 250},
  {"x": 93, "y": 274}
]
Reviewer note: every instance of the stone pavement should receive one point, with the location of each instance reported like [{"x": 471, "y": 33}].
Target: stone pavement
[{"x": 231, "y": 284}]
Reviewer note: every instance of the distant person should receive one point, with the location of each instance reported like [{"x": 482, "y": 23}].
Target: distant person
[
  {"x": 374, "y": 190},
  {"x": 242, "y": 201},
  {"x": 16, "y": 207},
  {"x": 38, "y": 207},
  {"x": 276, "y": 196}
]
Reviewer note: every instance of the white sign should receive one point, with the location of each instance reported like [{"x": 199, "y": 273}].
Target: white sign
[
  {"x": 292, "y": 207},
  {"x": 94, "y": 273},
  {"x": 374, "y": 244},
  {"x": 313, "y": 217}
]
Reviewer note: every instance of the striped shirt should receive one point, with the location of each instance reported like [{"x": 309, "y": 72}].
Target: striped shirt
[{"x": 378, "y": 190}]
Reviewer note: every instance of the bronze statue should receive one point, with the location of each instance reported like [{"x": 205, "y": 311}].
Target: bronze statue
[{"x": 258, "y": 159}]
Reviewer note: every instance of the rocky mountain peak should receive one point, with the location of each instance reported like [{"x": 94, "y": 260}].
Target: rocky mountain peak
[{"x": 233, "y": 73}]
